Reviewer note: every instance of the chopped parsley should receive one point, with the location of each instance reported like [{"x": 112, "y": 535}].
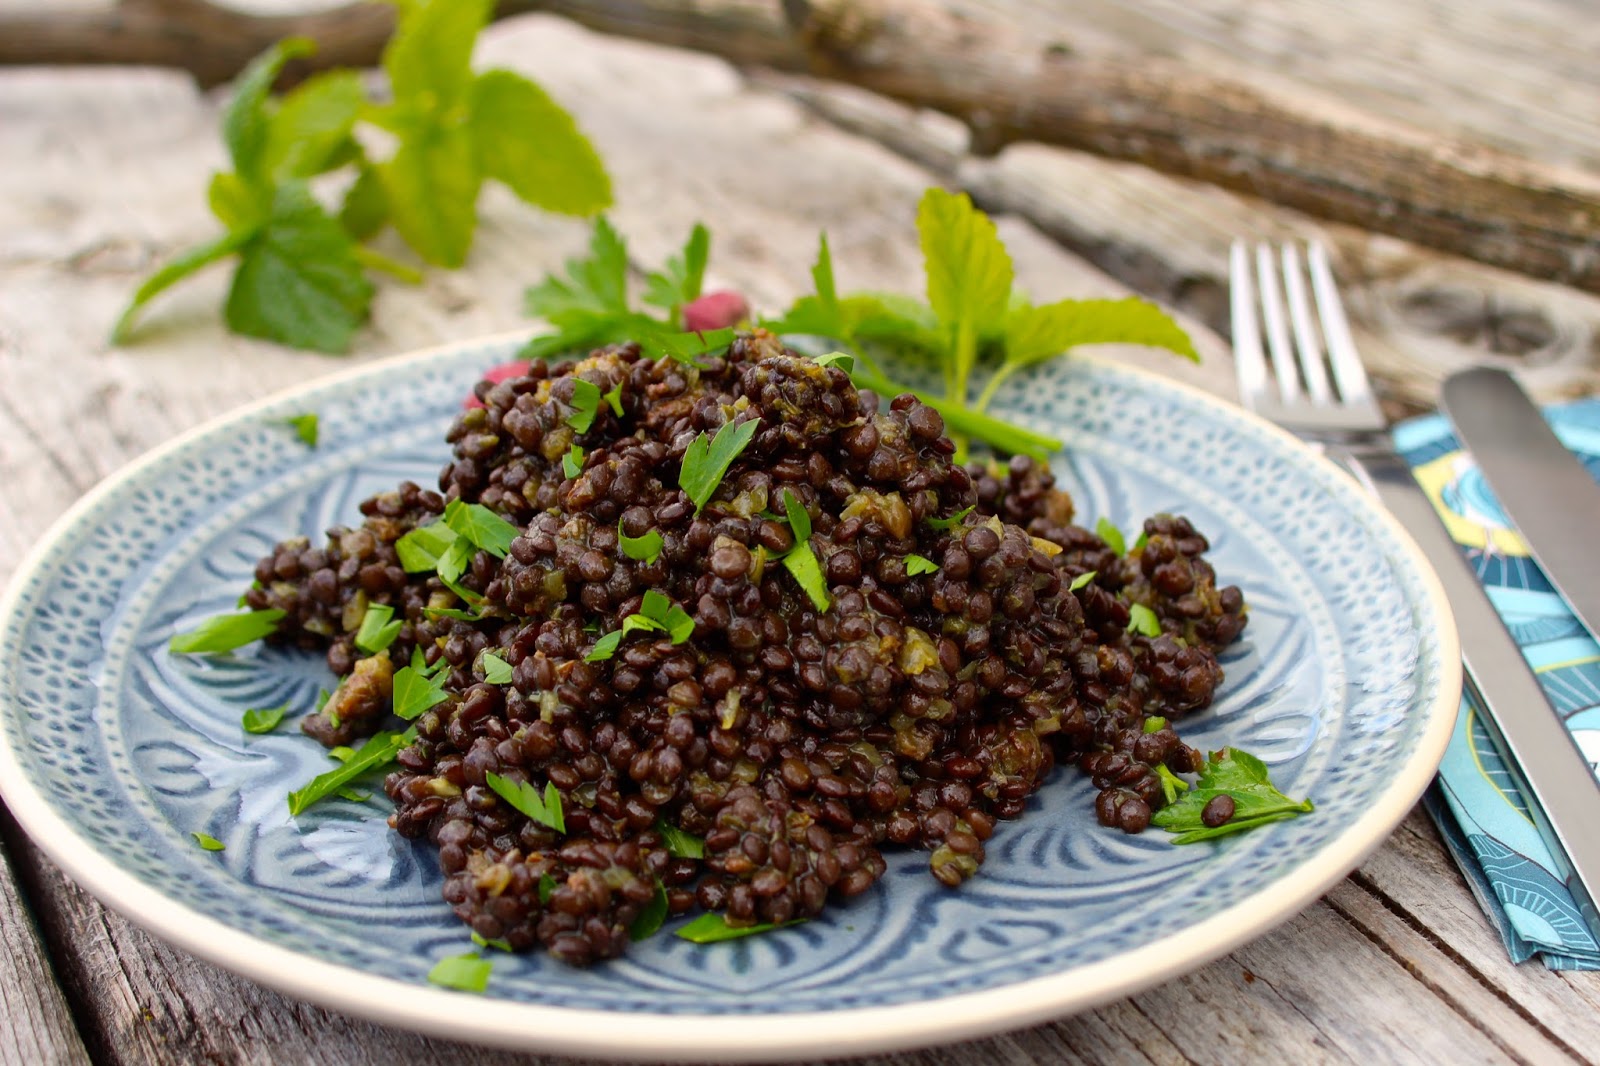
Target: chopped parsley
[
  {"x": 379, "y": 750},
  {"x": 572, "y": 462},
  {"x": 1171, "y": 783},
  {"x": 1081, "y": 580},
  {"x": 1109, "y": 533},
  {"x": 464, "y": 973},
  {"x": 496, "y": 943},
  {"x": 942, "y": 524},
  {"x": 225, "y": 632},
  {"x": 547, "y": 887},
  {"x": 708, "y": 458},
  {"x": 801, "y": 560},
  {"x": 646, "y": 549},
  {"x": 480, "y": 527},
  {"x": 585, "y": 404},
  {"x": 1154, "y": 724},
  {"x": 652, "y": 917},
  {"x": 453, "y": 612},
  {"x": 377, "y": 630},
  {"x": 680, "y": 845},
  {"x": 305, "y": 427},
  {"x": 1143, "y": 620},
  {"x": 1243, "y": 778},
  {"x": 712, "y": 928},
  {"x": 656, "y": 613},
  {"x": 208, "y": 842},
  {"x": 496, "y": 670},
  {"x": 421, "y": 549},
  {"x": 919, "y": 564},
  {"x": 415, "y": 691},
  {"x": 605, "y": 647},
  {"x": 1138, "y": 545},
  {"x": 263, "y": 720},
  {"x": 843, "y": 360},
  {"x": 525, "y": 798},
  {"x": 614, "y": 397}
]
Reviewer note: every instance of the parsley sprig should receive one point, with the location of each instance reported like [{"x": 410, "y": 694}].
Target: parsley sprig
[
  {"x": 657, "y": 613},
  {"x": 801, "y": 560},
  {"x": 1243, "y": 778},
  {"x": 708, "y": 458},
  {"x": 379, "y": 750}
]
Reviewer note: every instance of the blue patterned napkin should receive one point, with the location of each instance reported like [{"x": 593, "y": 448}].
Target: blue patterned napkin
[{"x": 1476, "y": 800}]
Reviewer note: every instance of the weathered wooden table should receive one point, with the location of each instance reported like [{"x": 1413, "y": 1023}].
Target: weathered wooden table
[{"x": 104, "y": 172}]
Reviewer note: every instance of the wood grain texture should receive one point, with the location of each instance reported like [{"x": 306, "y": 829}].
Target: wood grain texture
[
  {"x": 1394, "y": 966},
  {"x": 37, "y": 1023}
]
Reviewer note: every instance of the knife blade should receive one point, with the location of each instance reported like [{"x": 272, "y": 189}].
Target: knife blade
[
  {"x": 1543, "y": 488},
  {"x": 1524, "y": 727}
]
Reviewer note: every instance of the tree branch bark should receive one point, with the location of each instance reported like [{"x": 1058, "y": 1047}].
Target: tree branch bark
[{"x": 1311, "y": 154}]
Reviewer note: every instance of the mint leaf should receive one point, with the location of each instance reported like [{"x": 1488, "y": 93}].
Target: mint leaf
[
  {"x": 415, "y": 692},
  {"x": 918, "y": 564},
  {"x": 712, "y": 928},
  {"x": 463, "y": 973},
  {"x": 421, "y": 548},
  {"x": 585, "y": 404},
  {"x": 246, "y": 119},
  {"x": 708, "y": 458},
  {"x": 969, "y": 278},
  {"x": 310, "y": 131},
  {"x": 208, "y": 842},
  {"x": 365, "y": 209},
  {"x": 681, "y": 280},
  {"x": 1081, "y": 580},
  {"x": 646, "y": 549},
  {"x": 377, "y": 632},
  {"x": 496, "y": 670},
  {"x": 1036, "y": 334},
  {"x": 480, "y": 527},
  {"x": 528, "y": 141},
  {"x": 1143, "y": 620},
  {"x": 680, "y": 845},
  {"x": 652, "y": 917},
  {"x": 305, "y": 427},
  {"x": 1108, "y": 532},
  {"x": 1243, "y": 778},
  {"x": 299, "y": 282},
  {"x": 263, "y": 721},
  {"x": 431, "y": 188},
  {"x": 190, "y": 262},
  {"x": 225, "y": 632},
  {"x": 429, "y": 58},
  {"x": 379, "y": 750}
]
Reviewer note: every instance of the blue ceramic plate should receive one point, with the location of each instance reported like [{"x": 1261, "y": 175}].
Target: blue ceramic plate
[{"x": 112, "y": 751}]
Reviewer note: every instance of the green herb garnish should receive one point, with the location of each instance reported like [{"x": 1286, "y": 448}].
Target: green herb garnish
[
  {"x": 377, "y": 630},
  {"x": 305, "y": 427},
  {"x": 208, "y": 842},
  {"x": 708, "y": 458},
  {"x": 1081, "y": 580},
  {"x": 1138, "y": 545},
  {"x": 263, "y": 720},
  {"x": 843, "y": 360},
  {"x": 496, "y": 670},
  {"x": 572, "y": 462},
  {"x": 416, "y": 692},
  {"x": 453, "y": 612},
  {"x": 421, "y": 548},
  {"x": 585, "y": 404},
  {"x": 920, "y": 564},
  {"x": 680, "y": 281},
  {"x": 1241, "y": 777},
  {"x": 1171, "y": 783},
  {"x": 464, "y": 973},
  {"x": 801, "y": 560},
  {"x": 680, "y": 845},
  {"x": 646, "y": 549},
  {"x": 497, "y": 943},
  {"x": 943, "y": 524},
  {"x": 225, "y": 632},
  {"x": 1143, "y": 620},
  {"x": 613, "y": 396},
  {"x": 379, "y": 750},
  {"x": 480, "y": 527},
  {"x": 1154, "y": 724},
  {"x": 1108, "y": 532},
  {"x": 525, "y": 798},
  {"x": 652, "y": 917},
  {"x": 353, "y": 796},
  {"x": 712, "y": 928},
  {"x": 547, "y": 888},
  {"x": 656, "y": 613},
  {"x": 605, "y": 647}
]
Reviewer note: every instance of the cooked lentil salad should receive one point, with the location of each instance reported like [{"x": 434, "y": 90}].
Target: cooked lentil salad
[{"x": 677, "y": 635}]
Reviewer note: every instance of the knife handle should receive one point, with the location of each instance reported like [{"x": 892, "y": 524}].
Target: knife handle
[{"x": 1526, "y": 729}]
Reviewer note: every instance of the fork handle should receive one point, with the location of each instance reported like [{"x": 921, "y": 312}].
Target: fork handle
[{"x": 1523, "y": 725}]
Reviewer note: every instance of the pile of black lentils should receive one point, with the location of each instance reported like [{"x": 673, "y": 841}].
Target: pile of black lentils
[{"x": 916, "y": 710}]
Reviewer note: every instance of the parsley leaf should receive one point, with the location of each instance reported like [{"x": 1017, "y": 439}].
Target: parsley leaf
[
  {"x": 416, "y": 692},
  {"x": 646, "y": 548},
  {"x": 1243, "y": 778},
  {"x": 547, "y": 887},
  {"x": 572, "y": 462},
  {"x": 596, "y": 288},
  {"x": 664, "y": 615},
  {"x": 480, "y": 527},
  {"x": 843, "y": 360},
  {"x": 918, "y": 564},
  {"x": 1106, "y": 531},
  {"x": 798, "y": 517},
  {"x": 712, "y": 928},
  {"x": 652, "y": 916},
  {"x": 421, "y": 549},
  {"x": 225, "y": 632},
  {"x": 377, "y": 632},
  {"x": 680, "y": 281},
  {"x": 463, "y": 973},
  {"x": 1154, "y": 724},
  {"x": 613, "y": 397},
  {"x": 305, "y": 427},
  {"x": 801, "y": 562},
  {"x": 208, "y": 842},
  {"x": 605, "y": 647},
  {"x": 379, "y": 750},
  {"x": 708, "y": 458},
  {"x": 496, "y": 670},
  {"x": 497, "y": 943},
  {"x": 1143, "y": 620},
  {"x": 263, "y": 720},
  {"x": 585, "y": 404},
  {"x": 680, "y": 845},
  {"x": 525, "y": 798},
  {"x": 1081, "y": 580},
  {"x": 944, "y": 524}
]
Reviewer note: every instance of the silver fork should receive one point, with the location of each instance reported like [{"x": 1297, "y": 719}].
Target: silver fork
[{"x": 1337, "y": 412}]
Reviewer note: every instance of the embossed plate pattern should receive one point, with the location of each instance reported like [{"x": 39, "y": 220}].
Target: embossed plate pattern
[{"x": 113, "y": 751}]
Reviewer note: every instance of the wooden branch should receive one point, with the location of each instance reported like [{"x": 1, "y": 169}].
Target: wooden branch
[{"x": 1307, "y": 153}]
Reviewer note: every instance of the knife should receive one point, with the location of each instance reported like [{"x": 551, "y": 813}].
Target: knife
[{"x": 1545, "y": 490}]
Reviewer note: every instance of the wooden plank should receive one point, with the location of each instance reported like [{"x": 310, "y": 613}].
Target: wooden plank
[{"x": 34, "y": 1015}]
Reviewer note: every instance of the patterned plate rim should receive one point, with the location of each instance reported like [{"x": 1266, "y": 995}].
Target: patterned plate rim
[{"x": 689, "y": 1037}]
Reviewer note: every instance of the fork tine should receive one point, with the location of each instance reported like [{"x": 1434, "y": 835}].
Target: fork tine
[
  {"x": 1250, "y": 364},
  {"x": 1277, "y": 332},
  {"x": 1351, "y": 376},
  {"x": 1305, "y": 331}
]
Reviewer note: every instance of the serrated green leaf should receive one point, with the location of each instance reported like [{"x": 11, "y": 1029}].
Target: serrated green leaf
[
  {"x": 1244, "y": 779},
  {"x": 429, "y": 58},
  {"x": 496, "y": 670},
  {"x": 431, "y": 188},
  {"x": 708, "y": 458},
  {"x": 528, "y": 141},
  {"x": 605, "y": 647},
  {"x": 378, "y": 629},
  {"x": 299, "y": 282},
  {"x": 416, "y": 692},
  {"x": 379, "y": 750},
  {"x": 421, "y": 548},
  {"x": 572, "y": 462},
  {"x": 310, "y": 130},
  {"x": 585, "y": 404},
  {"x": 480, "y": 527},
  {"x": 245, "y": 120},
  {"x": 681, "y": 280},
  {"x": 546, "y": 809},
  {"x": 919, "y": 564},
  {"x": 679, "y": 844},
  {"x": 1036, "y": 334},
  {"x": 239, "y": 205},
  {"x": 596, "y": 285},
  {"x": 969, "y": 277},
  {"x": 187, "y": 263}
]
